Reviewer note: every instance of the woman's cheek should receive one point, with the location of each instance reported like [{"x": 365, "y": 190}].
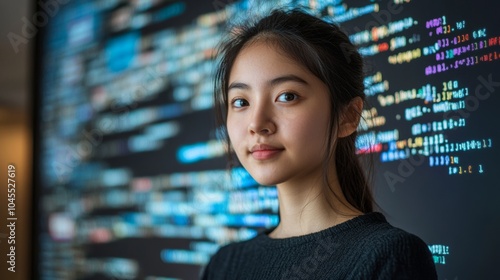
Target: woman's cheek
[{"x": 235, "y": 131}]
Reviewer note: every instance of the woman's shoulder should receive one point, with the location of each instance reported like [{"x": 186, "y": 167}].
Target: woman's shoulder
[
  {"x": 228, "y": 257},
  {"x": 390, "y": 250},
  {"x": 228, "y": 249},
  {"x": 384, "y": 233},
  {"x": 378, "y": 234},
  {"x": 234, "y": 248}
]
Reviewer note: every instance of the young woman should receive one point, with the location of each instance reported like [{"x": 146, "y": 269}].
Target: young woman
[{"x": 289, "y": 91}]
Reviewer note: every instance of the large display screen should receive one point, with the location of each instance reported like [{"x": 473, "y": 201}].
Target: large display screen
[{"x": 131, "y": 180}]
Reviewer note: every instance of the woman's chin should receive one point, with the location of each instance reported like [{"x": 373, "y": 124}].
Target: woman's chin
[{"x": 267, "y": 181}]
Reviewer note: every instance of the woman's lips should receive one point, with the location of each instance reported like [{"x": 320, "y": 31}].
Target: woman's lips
[{"x": 263, "y": 151}]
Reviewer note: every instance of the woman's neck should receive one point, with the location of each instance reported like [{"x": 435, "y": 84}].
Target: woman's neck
[{"x": 305, "y": 210}]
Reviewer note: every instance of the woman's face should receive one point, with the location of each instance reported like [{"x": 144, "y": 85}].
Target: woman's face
[{"x": 278, "y": 116}]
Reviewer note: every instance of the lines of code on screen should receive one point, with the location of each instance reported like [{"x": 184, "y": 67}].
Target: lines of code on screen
[{"x": 133, "y": 181}]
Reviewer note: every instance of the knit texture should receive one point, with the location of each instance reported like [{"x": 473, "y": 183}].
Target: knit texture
[{"x": 365, "y": 247}]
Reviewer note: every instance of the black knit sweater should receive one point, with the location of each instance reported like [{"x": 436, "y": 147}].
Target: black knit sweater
[{"x": 365, "y": 247}]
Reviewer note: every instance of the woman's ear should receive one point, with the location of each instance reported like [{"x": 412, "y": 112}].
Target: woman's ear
[{"x": 349, "y": 119}]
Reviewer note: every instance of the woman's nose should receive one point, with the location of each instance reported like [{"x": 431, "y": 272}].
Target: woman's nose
[{"x": 262, "y": 120}]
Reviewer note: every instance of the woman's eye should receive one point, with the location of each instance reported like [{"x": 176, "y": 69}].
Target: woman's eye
[
  {"x": 287, "y": 97},
  {"x": 238, "y": 103}
]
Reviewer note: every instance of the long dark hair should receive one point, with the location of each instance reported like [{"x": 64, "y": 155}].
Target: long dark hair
[{"x": 326, "y": 52}]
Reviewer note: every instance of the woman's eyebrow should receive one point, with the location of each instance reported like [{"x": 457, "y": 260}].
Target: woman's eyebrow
[
  {"x": 287, "y": 78},
  {"x": 274, "y": 82},
  {"x": 237, "y": 85}
]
